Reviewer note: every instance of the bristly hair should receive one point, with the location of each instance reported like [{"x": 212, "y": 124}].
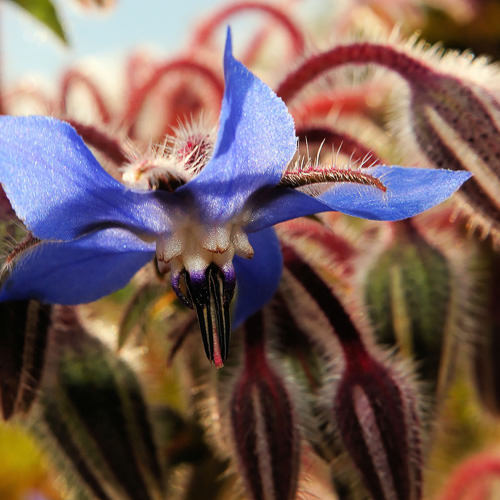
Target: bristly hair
[
  {"x": 177, "y": 160},
  {"x": 305, "y": 172}
]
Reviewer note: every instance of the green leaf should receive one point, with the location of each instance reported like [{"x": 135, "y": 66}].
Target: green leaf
[{"x": 45, "y": 12}]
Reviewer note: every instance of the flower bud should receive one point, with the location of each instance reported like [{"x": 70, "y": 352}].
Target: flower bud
[
  {"x": 454, "y": 119},
  {"x": 408, "y": 295},
  {"x": 95, "y": 417},
  {"x": 263, "y": 422},
  {"x": 374, "y": 406},
  {"x": 376, "y": 413},
  {"x": 23, "y": 346}
]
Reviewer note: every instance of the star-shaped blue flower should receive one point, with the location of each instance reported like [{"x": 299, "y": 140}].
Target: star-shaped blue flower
[{"x": 214, "y": 231}]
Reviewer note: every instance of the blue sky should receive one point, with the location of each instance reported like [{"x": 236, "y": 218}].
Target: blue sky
[{"x": 28, "y": 48}]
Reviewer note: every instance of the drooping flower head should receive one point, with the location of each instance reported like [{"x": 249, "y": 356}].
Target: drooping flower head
[{"x": 213, "y": 230}]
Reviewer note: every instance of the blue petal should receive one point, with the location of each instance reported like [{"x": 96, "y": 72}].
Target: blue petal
[
  {"x": 58, "y": 188},
  {"x": 410, "y": 191},
  {"x": 77, "y": 271},
  {"x": 255, "y": 143},
  {"x": 257, "y": 278}
]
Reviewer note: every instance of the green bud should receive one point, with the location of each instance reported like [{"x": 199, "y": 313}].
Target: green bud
[{"x": 407, "y": 292}]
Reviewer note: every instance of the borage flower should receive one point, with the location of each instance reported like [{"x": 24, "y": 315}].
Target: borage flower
[{"x": 92, "y": 233}]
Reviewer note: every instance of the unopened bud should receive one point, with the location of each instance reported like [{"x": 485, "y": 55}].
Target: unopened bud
[
  {"x": 263, "y": 422},
  {"x": 455, "y": 122},
  {"x": 94, "y": 413},
  {"x": 376, "y": 412},
  {"x": 375, "y": 408},
  {"x": 408, "y": 294}
]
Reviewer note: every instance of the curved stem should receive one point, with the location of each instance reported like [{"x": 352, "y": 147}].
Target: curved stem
[
  {"x": 110, "y": 146},
  {"x": 340, "y": 101},
  {"x": 340, "y": 140},
  {"x": 206, "y": 30},
  {"x": 74, "y": 76},
  {"x": 358, "y": 53},
  {"x": 137, "y": 100},
  {"x": 470, "y": 473}
]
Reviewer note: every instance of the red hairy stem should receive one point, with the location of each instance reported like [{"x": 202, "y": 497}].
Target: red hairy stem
[
  {"x": 137, "y": 69},
  {"x": 73, "y": 77},
  {"x": 254, "y": 341},
  {"x": 345, "y": 329},
  {"x": 138, "y": 98},
  {"x": 110, "y": 146},
  {"x": 357, "y": 53},
  {"x": 206, "y": 30},
  {"x": 342, "y": 101},
  {"x": 180, "y": 103},
  {"x": 254, "y": 46},
  {"x": 469, "y": 474},
  {"x": 347, "y": 144}
]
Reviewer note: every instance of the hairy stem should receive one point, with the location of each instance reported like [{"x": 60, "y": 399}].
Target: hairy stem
[
  {"x": 205, "y": 31},
  {"x": 317, "y": 175},
  {"x": 358, "y": 53},
  {"x": 73, "y": 77}
]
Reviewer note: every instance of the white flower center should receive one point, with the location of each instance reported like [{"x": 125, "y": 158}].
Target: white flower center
[{"x": 194, "y": 247}]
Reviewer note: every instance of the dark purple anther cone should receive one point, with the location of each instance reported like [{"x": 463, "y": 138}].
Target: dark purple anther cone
[
  {"x": 263, "y": 422},
  {"x": 209, "y": 292}
]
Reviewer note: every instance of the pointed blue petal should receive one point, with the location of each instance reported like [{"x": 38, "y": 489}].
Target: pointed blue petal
[
  {"x": 257, "y": 278},
  {"x": 410, "y": 191},
  {"x": 78, "y": 271},
  {"x": 255, "y": 143},
  {"x": 58, "y": 188}
]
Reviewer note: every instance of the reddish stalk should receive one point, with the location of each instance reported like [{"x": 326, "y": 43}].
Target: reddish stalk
[
  {"x": 469, "y": 474},
  {"x": 347, "y": 144},
  {"x": 107, "y": 145},
  {"x": 206, "y": 30},
  {"x": 137, "y": 100},
  {"x": 180, "y": 103},
  {"x": 137, "y": 70},
  {"x": 343, "y": 102},
  {"x": 358, "y": 53},
  {"x": 73, "y": 77},
  {"x": 255, "y": 45}
]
